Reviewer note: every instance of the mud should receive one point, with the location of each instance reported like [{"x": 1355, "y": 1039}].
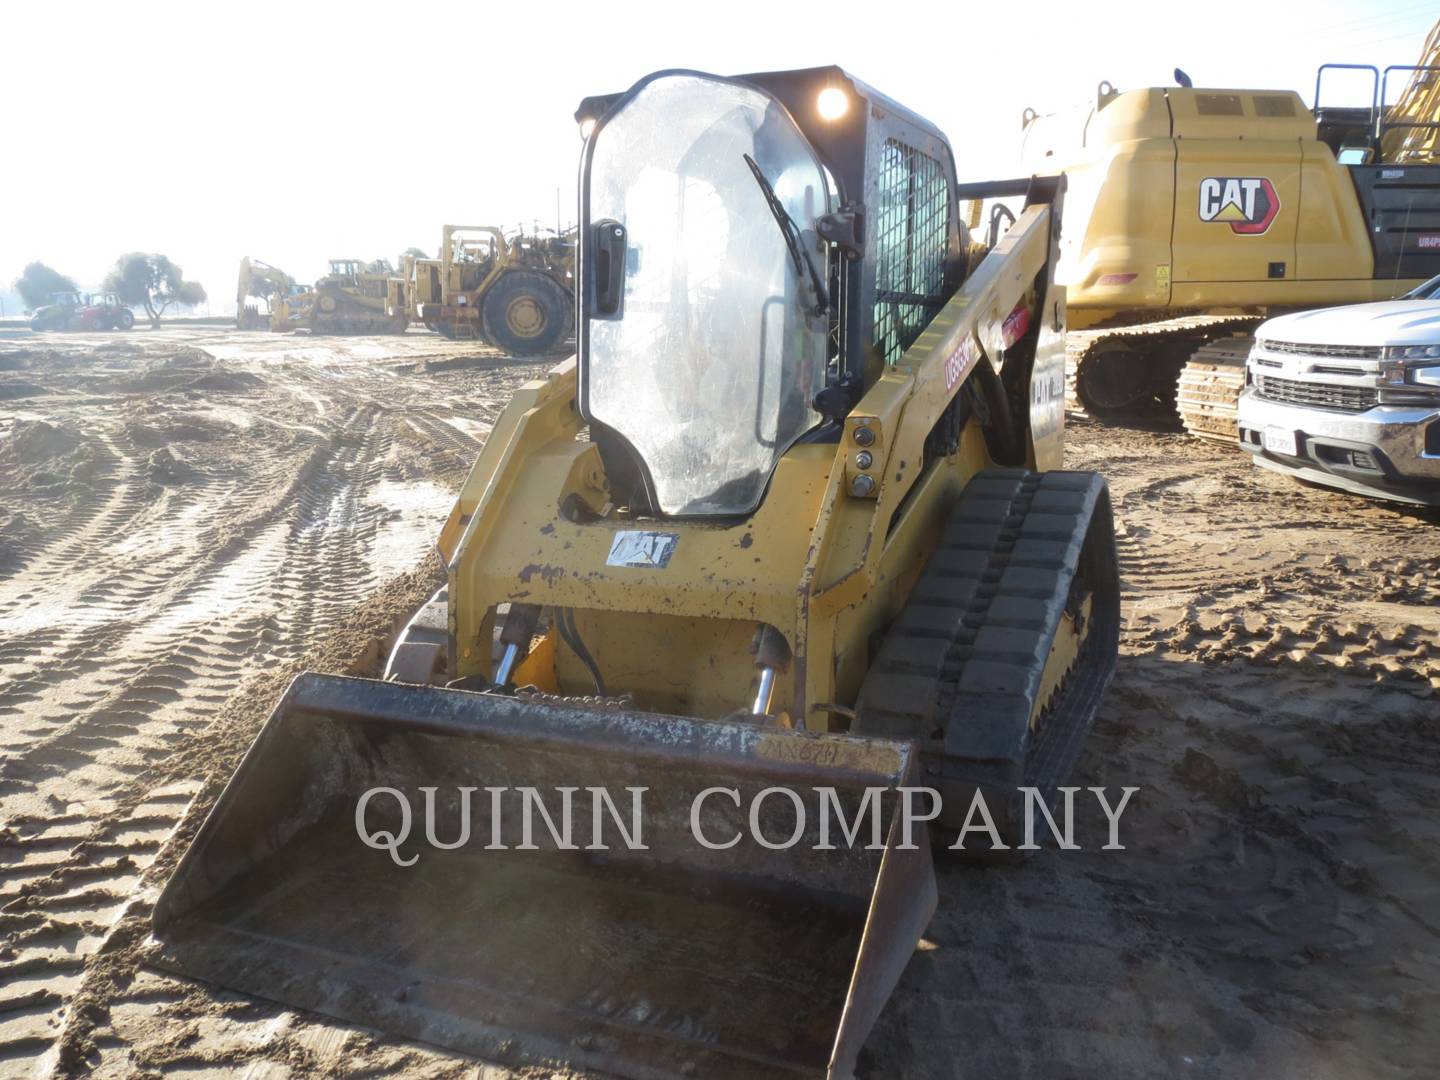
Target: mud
[
  {"x": 1276, "y": 911},
  {"x": 247, "y": 505}
]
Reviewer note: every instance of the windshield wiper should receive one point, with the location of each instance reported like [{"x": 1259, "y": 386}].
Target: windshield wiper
[{"x": 804, "y": 265}]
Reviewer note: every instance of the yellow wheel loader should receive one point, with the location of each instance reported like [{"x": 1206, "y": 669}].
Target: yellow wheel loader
[
  {"x": 1194, "y": 213},
  {"x": 516, "y": 293},
  {"x": 778, "y": 557}
]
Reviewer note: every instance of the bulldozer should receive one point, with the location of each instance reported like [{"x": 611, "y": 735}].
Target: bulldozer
[
  {"x": 355, "y": 297},
  {"x": 515, "y": 293},
  {"x": 1193, "y": 214},
  {"x": 788, "y": 528}
]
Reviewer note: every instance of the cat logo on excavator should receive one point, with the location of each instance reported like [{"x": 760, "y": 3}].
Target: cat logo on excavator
[{"x": 1248, "y": 204}]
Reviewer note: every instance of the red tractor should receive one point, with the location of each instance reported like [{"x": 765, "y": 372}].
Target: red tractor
[{"x": 104, "y": 312}]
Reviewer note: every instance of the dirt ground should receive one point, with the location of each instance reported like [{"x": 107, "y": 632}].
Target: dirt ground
[{"x": 189, "y": 516}]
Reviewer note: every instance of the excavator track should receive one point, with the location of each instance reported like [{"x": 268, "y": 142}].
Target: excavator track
[
  {"x": 1131, "y": 372},
  {"x": 963, "y": 669},
  {"x": 1208, "y": 398}
]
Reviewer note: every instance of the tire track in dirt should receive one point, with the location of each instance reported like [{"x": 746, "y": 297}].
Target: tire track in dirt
[
  {"x": 180, "y": 587},
  {"x": 1225, "y": 561},
  {"x": 1293, "y": 857},
  {"x": 1268, "y": 920}
]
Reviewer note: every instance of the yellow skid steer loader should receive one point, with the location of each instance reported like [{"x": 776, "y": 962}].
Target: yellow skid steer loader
[{"x": 781, "y": 546}]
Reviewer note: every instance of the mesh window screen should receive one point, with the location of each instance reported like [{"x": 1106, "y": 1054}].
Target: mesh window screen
[{"x": 911, "y": 229}]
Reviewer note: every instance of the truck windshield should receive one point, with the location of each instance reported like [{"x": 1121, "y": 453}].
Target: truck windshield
[{"x": 717, "y": 350}]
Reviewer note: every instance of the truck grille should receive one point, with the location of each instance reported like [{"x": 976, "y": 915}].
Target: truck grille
[
  {"x": 1351, "y": 399},
  {"x": 1345, "y": 352}
]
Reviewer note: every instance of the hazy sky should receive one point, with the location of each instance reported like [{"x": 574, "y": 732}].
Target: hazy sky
[{"x": 297, "y": 132}]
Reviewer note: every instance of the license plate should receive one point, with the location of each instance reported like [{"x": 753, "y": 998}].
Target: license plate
[{"x": 1280, "y": 441}]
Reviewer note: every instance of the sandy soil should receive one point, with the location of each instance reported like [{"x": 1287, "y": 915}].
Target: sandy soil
[{"x": 188, "y": 517}]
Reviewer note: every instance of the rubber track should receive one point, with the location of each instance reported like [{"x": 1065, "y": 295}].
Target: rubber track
[{"x": 962, "y": 664}]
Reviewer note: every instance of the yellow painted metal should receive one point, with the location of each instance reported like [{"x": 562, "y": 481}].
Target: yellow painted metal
[
  {"x": 1119, "y": 200},
  {"x": 354, "y": 296},
  {"x": 357, "y": 295},
  {"x": 1134, "y": 241},
  {"x": 473, "y": 260},
  {"x": 1075, "y": 626},
  {"x": 826, "y": 568},
  {"x": 423, "y": 276},
  {"x": 281, "y": 295},
  {"x": 1209, "y": 251},
  {"x": 1415, "y": 138},
  {"x": 538, "y": 667}
]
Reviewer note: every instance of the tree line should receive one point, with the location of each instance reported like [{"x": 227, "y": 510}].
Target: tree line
[{"x": 138, "y": 279}]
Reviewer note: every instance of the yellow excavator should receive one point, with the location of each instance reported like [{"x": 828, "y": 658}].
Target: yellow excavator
[
  {"x": 516, "y": 293},
  {"x": 786, "y": 536},
  {"x": 265, "y": 295},
  {"x": 1192, "y": 214}
]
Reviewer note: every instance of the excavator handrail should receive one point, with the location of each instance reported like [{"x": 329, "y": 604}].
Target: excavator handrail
[
  {"x": 1042, "y": 188},
  {"x": 1374, "y": 90},
  {"x": 1405, "y": 105}
]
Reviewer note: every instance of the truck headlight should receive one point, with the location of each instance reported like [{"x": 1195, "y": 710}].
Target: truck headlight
[{"x": 1412, "y": 352}]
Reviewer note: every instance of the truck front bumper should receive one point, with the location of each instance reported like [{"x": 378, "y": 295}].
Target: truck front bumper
[{"x": 1390, "y": 450}]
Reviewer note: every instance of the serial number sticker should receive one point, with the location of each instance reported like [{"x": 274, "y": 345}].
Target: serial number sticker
[
  {"x": 648, "y": 550},
  {"x": 1392, "y": 174},
  {"x": 1280, "y": 441},
  {"x": 959, "y": 362},
  {"x": 831, "y": 753}
]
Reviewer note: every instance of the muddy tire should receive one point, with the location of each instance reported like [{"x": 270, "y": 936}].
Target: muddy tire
[{"x": 527, "y": 314}]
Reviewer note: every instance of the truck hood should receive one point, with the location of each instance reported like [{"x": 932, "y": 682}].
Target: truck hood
[{"x": 1391, "y": 322}]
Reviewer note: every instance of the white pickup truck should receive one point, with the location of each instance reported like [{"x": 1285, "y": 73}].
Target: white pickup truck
[{"x": 1350, "y": 397}]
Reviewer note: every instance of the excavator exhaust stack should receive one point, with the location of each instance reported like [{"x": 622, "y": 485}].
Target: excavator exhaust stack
[{"x": 762, "y": 957}]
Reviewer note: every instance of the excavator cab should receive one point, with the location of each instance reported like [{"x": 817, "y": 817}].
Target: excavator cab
[{"x": 675, "y": 563}]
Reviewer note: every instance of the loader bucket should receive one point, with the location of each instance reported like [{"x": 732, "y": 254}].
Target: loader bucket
[{"x": 671, "y": 959}]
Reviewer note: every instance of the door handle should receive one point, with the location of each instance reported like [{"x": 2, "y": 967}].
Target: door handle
[{"x": 607, "y": 269}]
